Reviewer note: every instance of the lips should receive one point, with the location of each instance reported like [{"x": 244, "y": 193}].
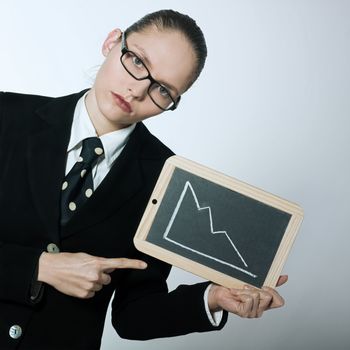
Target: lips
[{"x": 125, "y": 106}]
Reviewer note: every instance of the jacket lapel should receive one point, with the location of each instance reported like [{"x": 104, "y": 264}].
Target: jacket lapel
[{"x": 46, "y": 154}]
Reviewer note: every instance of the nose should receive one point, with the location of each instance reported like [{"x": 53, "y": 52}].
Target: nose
[{"x": 138, "y": 88}]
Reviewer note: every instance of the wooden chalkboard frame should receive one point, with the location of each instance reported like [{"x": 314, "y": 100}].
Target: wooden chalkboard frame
[{"x": 140, "y": 238}]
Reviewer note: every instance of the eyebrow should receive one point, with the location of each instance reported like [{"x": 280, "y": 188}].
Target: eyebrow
[{"x": 149, "y": 64}]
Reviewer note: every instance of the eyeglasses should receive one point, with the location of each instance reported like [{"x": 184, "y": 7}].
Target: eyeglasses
[{"x": 158, "y": 93}]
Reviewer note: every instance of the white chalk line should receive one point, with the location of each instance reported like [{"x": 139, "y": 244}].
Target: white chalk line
[{"x": 172, "y": 219}]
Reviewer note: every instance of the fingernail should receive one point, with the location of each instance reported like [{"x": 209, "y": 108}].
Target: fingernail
[{"x": 143, "y": 265}]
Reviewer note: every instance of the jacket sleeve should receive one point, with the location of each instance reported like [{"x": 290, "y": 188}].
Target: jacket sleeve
[
  {"x": 143, "y": 308},
  {"x": 18, "y": 273},
  {"x": 18, "y": 264},
  {"x": 1, "y": 109}
]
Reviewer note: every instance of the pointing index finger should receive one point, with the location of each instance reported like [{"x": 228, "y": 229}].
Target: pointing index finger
[{"x": 122, "y": 263}]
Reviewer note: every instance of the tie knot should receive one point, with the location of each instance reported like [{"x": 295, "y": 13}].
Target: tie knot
[{"x": 91, "y": 150}]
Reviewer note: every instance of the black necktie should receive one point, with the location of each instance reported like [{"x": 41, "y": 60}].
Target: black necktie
[{"x": 78, "y": 185}]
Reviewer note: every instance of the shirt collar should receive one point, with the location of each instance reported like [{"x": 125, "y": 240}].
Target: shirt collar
[{"x": 82, "y": 127}]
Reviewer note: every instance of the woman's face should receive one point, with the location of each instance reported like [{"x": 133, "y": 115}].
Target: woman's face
[{"x": 168, "y": 56}]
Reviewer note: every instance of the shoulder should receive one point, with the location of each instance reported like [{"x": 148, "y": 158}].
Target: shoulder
[
  {"x": 12, "y": 101},
  {"x": 151, "y": 152},
  {"x": 151, "y": 148},
  {"x": 21, "y": 111},
  {"x": 17, "y": 109},
  {"x": 16, "y": 100}
]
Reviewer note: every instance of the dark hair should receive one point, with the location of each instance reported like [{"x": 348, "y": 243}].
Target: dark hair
[{"x": 170, "y": 19}]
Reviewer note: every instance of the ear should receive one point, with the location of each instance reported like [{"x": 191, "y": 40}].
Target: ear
[{"x": 112, "y": 39}]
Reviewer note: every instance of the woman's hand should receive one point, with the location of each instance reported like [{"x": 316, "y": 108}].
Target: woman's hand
[
  {"x": 81, "y": 275},
  {"x": 248, "y": 302}
]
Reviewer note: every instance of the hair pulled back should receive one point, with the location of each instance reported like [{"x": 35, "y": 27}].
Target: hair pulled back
[{"x": 174, "y": 20}]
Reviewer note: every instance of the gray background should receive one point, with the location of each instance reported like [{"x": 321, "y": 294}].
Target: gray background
[{"x": 271, "y": 109}]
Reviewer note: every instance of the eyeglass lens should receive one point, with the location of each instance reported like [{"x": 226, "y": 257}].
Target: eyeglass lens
[{"x": 158, "y": 93}]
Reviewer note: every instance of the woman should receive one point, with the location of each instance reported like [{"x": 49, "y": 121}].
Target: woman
[{"x": 77, "y": 172}]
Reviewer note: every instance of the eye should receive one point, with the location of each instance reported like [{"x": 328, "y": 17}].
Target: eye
[
  {"x": 137, "y": 62},
  {"x": 163, "y": 91}
]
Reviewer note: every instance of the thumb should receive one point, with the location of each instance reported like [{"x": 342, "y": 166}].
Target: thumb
[{"x": 282, "y": 280}]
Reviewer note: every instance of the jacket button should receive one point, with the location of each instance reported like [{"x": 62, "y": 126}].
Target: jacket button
[
  {"x": 52, "y": 248},
  {"x": 15, "y": 331}
]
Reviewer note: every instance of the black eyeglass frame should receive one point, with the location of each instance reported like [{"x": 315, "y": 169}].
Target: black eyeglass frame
[{"x": 125, "y": 50}]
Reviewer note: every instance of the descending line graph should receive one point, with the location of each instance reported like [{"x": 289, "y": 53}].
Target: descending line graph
[{"x": 187, "y": 187}]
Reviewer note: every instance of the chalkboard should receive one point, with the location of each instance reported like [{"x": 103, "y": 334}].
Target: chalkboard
[{"x": 217, "y": 227}]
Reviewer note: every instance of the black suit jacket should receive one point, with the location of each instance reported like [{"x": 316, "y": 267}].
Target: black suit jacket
[{"x": 34, "y": 134}]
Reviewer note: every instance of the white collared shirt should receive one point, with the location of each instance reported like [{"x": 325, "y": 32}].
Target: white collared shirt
[{"x": 113, "y": 144}]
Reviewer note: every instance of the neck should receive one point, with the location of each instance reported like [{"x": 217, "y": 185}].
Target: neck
[{"x": 101, "y": 124}]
